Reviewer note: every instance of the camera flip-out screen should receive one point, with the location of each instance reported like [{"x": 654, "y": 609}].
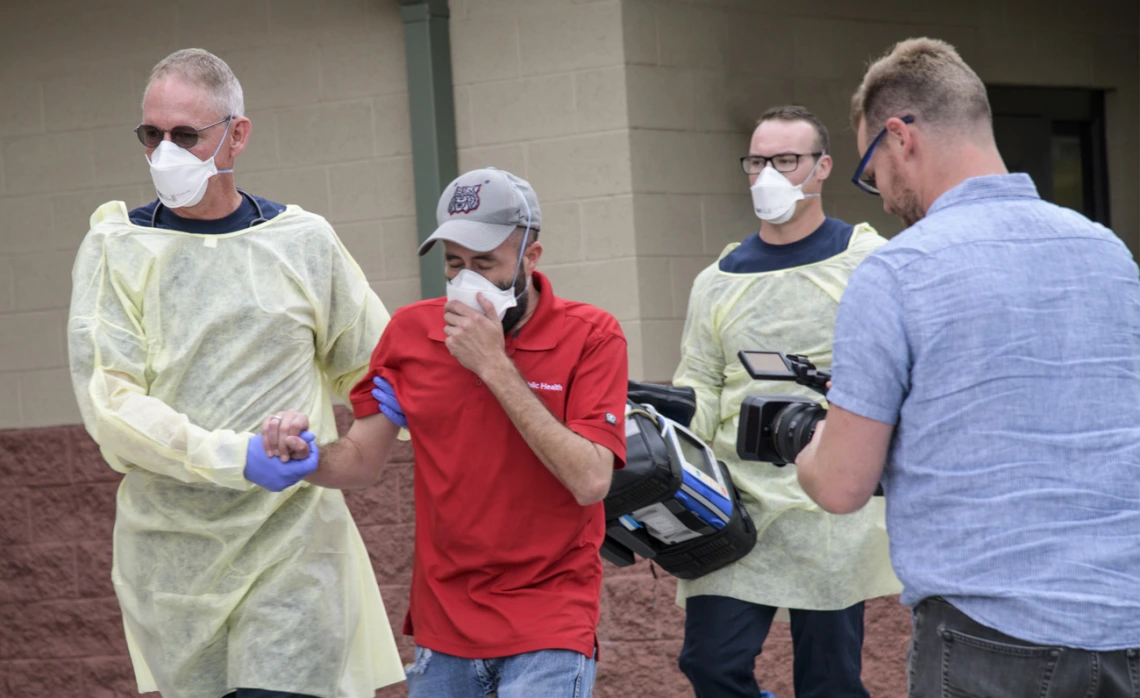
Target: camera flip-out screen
[{"x": 769, "y": 365}]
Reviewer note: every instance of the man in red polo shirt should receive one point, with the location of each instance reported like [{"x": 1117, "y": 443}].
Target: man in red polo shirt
[{"x": 514, "y": 399}]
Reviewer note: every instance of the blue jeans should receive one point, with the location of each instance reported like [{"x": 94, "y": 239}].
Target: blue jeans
[
  {"x": 547, "y": 673},
  {"x": 723, "y": 637}
]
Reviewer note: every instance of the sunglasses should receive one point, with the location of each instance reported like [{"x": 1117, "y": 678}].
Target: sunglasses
[{"x": 182, "y": 136}]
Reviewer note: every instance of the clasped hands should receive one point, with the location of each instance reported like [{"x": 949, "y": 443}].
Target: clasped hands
[{"x": 285, "y": 451}]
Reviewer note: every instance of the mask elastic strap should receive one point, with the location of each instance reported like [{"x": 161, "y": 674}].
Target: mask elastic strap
[
  {"x": 811, "y": 172},
  {"x": 526, "y": 235},
  {"x": 219, "y": 148}
]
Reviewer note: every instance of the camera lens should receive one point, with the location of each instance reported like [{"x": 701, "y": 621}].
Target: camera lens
[{"x": 793, "y": 427}]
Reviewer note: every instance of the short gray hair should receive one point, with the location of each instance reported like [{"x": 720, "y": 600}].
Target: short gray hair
[{"x": 201, "y": 67}]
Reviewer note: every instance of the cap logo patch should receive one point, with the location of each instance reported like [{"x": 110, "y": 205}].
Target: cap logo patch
[{"x": 465, "y": 199}]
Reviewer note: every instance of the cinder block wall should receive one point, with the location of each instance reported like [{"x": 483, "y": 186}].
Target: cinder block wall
[
  {"x": 627, "y": 117},
  {"x": 325, "y": 87},
  {"x": 699, "y": 72},
  {"x": 540, "y": 91}
]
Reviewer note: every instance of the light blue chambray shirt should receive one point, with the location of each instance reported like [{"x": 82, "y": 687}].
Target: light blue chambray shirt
[{"x": 1001, "y": 336}]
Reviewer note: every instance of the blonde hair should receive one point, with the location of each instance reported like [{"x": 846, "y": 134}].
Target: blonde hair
[
  {"x": 201, "y": 67},
  {"x": 926, "y": 78}
]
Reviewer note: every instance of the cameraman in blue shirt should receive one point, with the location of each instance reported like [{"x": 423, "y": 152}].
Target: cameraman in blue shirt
[{"x": 987, "y": 370}]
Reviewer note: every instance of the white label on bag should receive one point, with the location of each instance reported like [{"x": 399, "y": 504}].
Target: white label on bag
[{"x": 663, "y": 525}]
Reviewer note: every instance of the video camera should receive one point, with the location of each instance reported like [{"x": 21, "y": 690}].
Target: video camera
[{"x": 775, "y": 428}]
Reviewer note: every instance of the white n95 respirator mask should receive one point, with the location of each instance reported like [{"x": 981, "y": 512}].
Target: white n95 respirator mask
[
  {"x": 774, "y": 197},
  {"x": 466, "y": 286},
  {"x": 180, "y": 178}
]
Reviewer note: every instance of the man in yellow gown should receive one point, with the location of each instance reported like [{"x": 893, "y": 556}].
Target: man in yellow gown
[
  {"x": 779, "y": 291},
  {"x": 191, "y": 319}
]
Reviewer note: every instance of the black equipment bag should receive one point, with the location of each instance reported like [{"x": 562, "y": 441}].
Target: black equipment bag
[
  {"x": 654, "y": 475},
  {"x": 696, "y": 558},
  {"x": 649, "y": 475}
]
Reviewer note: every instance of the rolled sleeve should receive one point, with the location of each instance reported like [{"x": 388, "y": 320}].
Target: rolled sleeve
[
  {"x": 595, "y": 407},
  {"x": 872, "y": 353},
  {"x": 363, "y": 404}
]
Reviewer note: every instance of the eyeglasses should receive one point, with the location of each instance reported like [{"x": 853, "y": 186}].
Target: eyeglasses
[
  {"x": 867, "y": 182},
  {"x": 783, "y": 162},
  {"x": 181, "y": 136}
]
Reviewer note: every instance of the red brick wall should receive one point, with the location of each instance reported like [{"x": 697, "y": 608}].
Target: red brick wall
[{"x": 61, "y": 633}]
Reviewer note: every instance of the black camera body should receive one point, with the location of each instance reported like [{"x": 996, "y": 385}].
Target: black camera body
[{"x": 775, "y": 428}]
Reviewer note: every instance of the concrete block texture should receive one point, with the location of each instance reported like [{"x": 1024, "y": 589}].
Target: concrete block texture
[
  {"x": 7, "y": 286},
  {"x": 523, "y": 110},
  {"x": 627, "y": 114},
  {"x": 117, "y": 161},
  {"x": 608, "y": 227},
  {"x": 579, "y": 167},
  {"x": 692, "y": 36},
  {"x": 31, "y": 341},
  {"x": 70, "y": 214},
  {"x": 10, "y": 401},
  {"x": 570, "y": 37},
  {"x": 655, "y": 293},
  {"x": 43, "y": 281},
  {"x": 392, "y": 124},
  {"x": 484, "y": 50},
  {"x": 325, "y": 133},
  {"x": 561, "y": 234},
  {"x": 47, "y": 397},
  {"x": 397, "y": 292},
  {"x": 371, "y": 189},
  {"x": 510, "y": 157},
  {"x": 668, "y": 225},
  {"x": 325, "y": 86},
  {"x": 48, "y": 163},
  {"x": 369, "y": 66},
  {"x": 89, "y": 99},
  {"x": 21, "y": 113},
  {"x": 610, "y": 285},
  {"x": 698, "y": 74},
  {"x": 600, "y": 99}
]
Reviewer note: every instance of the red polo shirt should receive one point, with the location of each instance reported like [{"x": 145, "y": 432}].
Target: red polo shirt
[{"x": 506, "y": 561}]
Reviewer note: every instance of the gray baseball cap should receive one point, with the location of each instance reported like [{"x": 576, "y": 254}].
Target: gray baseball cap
[{"x": 481, "y": 208}]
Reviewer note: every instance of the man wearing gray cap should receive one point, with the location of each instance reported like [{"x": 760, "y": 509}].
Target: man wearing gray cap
[{"x": 514, "y": 399}]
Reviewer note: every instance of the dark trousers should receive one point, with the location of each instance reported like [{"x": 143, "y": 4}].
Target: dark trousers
[
  {"x": 262, "y": 693},
  {"x": 952, "y": 655},
  {"x": 723, "y": 637}
]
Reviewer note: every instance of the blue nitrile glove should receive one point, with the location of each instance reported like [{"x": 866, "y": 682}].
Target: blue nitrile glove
[
  {"x": 271, "y": 473},
  {"x": 386, "y": 398}
]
